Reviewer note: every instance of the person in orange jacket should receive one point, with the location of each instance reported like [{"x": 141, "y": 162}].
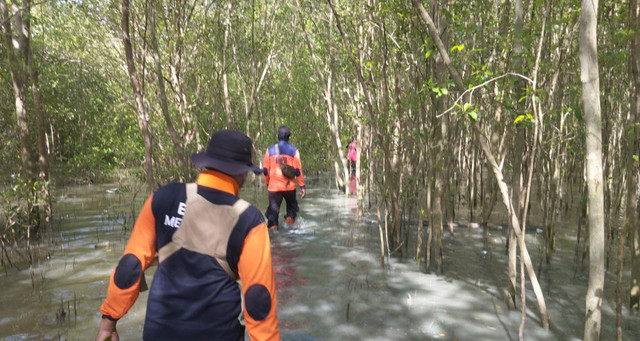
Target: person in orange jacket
[
  {"x": 282, "y": 168},
  {"x": 207, "y": 240}
]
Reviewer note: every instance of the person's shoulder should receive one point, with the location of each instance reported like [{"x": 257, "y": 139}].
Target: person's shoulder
[
  {"x": 249, "y": 207},
  {"x": 271, "y": 149},
  {"x": 171, "y": 189},
  {"x": 166, "y": 195},
  {"x": 292, "y": 146},
  {"x": 251, "y": 216}
]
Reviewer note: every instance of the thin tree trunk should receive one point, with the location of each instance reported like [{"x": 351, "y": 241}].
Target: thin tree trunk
[
  {"x": 43, "y": 154},
  {"x": 593, "y": 131},
  {"x": 517, "y": 181},
  {"x": 439, "y": 157},
  {"x": 143, "y": 119}
]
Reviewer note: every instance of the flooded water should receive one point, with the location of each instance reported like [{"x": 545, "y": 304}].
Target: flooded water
[{"x": 328, "y": 276}]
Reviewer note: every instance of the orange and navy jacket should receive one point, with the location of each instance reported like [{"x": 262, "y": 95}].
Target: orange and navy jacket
[
  {"x": 275, "y": 180},
  {"x": 191, "y": 295}
]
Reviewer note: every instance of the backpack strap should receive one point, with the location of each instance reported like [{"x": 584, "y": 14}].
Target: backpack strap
[{"x": 192, "y": 191}]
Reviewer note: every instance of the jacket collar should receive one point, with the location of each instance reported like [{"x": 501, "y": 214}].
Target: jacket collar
[{"x": 217, "y": 180}]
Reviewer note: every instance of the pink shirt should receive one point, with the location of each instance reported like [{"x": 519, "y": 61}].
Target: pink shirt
[{"x": 352, "y": 155}]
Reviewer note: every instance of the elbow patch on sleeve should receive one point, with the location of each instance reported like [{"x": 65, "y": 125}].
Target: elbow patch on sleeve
[
  {"x": 258, "y": 302},
  {"x": 127, "y": 272},
  {"x": 297, "y": 171},
  {"x": 265, "y": 171}
]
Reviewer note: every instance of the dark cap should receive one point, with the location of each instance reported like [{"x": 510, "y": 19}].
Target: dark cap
[
  {"x": 284, "y": 133},
  {"x": 229, "y": 152}
]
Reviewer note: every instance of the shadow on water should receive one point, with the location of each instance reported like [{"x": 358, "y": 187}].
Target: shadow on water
[{"x": 328, "y": 277}]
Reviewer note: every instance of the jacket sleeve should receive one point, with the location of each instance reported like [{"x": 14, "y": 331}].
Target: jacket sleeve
[
  {"x": 124, "y": 284},
  {"x": 266, "y": 164},
  {"x": 258, "y": 285},
  {"x": 298, "y": 166}
]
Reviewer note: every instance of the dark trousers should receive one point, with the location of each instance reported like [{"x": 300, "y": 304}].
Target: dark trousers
[
  {"x": 352, "y": 166},
  {"x": 275, "y": 199}
]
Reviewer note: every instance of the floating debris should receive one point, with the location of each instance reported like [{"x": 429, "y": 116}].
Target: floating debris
[{"x": 101, "y": 245}]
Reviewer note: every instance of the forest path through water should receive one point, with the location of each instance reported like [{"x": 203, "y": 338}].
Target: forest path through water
[{"x": 329, "y": 280}]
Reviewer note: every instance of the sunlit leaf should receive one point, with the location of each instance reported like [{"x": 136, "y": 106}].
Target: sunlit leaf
[
  {"x": 426, "y": 55},
  {"x": 474, "y": 115}
]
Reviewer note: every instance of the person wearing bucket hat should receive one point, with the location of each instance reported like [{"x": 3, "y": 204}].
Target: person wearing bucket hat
[
  {"x": 282, "y": 168},
  {"x": 207, "y": 240},
  {"x": 229, "y": 152}
]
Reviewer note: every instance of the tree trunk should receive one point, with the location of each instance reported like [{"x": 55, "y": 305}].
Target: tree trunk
[
  {"x": 143, "y": 119},
  {"x": 43, "y": 154},
  {"x": 439, "y": 157},
  {"x": 517, "y": 180},
  {"x": 593, "y": 131}
]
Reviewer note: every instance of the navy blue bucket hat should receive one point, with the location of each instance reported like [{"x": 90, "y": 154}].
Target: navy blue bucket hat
[{"x": 229, "y": 152}]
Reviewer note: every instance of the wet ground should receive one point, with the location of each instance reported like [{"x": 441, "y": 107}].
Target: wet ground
[{"x": 328, "y": 276}]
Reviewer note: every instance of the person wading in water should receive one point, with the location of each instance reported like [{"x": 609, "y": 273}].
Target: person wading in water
[
  {"x": 207, "y": 240},
  {"x": 282, "y": 168}
]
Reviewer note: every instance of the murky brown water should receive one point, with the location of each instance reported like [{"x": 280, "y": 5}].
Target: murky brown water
[{"x": 330, "y": 285}]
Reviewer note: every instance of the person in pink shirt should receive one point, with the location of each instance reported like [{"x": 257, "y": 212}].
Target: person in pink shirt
[{"x": 352, "y": 156}]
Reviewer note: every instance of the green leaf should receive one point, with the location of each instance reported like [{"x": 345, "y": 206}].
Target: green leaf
[
  {"x": 457, "y": 47},
  {"x": 426, "y": 55},
  {"x": 518, "y": 119},
  {"x": 474, "y": 115}
]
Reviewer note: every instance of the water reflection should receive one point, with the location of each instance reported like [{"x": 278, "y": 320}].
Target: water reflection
[{"x": 353, "y": 185}]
